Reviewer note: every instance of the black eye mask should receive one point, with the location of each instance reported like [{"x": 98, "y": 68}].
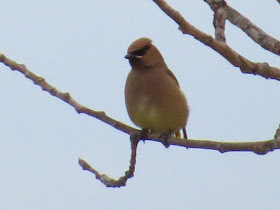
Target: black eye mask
[{"x": 141, "y": 52}]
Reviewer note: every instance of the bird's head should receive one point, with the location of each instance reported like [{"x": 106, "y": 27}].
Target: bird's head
[{"x": 143, "y": 54}]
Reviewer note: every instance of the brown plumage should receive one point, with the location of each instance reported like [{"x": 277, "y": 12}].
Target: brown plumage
[{"x": 153, "y": 96}]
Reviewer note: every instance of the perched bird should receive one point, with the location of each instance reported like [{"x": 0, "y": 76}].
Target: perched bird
[{"x": 153, "y": 97}]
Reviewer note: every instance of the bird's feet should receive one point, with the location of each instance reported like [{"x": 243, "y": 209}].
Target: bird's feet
[{"x": 142, "y": 135}]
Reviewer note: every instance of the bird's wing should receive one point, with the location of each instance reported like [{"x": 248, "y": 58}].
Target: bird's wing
[{"x": 170, "y": 73}]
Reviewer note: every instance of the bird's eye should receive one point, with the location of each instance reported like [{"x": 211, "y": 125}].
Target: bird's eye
[{"x": 142, "y": 51}]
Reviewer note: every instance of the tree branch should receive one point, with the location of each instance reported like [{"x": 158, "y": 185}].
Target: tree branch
[
  {"x": 110, "y": 182},
  {"x": 258, "y": 35},
  {"x": 66, "y": 97},
  {"x": 219, "y": 23},
  {"x": 259, "y": 147},
  {"x": 245, "y": 65}
]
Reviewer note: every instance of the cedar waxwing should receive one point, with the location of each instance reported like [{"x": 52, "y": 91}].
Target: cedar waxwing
[{"x": 153, "y": 97}]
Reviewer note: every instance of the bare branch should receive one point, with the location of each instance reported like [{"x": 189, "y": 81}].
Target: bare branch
[
  {"x": 40, "y": 81},
  {"x": 258, "y": 147},
  {"x": 245, "y": 65},
  {"x": 110, "y": 182},
  {"x": 261, "y": 147},
  {"x": 219, "y": 22},
  {"x": 258, "y": 35}
]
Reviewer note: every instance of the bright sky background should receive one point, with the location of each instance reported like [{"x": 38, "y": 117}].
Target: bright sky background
[{"x": 78, "y": 46}]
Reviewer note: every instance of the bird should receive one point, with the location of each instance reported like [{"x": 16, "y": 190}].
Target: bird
[{"x": 153, "y": 97}]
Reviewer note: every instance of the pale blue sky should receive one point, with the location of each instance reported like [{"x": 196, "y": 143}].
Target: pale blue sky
[{"x": 78, "y": 46}]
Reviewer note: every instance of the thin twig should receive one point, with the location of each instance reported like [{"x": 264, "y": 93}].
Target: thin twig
[
  {"x": 64, "y": 96},
  {"x": 108, "y": 181},
  {"x": 219, "y": 22},
  {"x": 245, "y": 65},
  {"x": 254, "y": 32}
]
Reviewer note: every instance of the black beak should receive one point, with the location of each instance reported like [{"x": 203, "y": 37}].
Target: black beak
[{"x": 129, "y": 56}]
